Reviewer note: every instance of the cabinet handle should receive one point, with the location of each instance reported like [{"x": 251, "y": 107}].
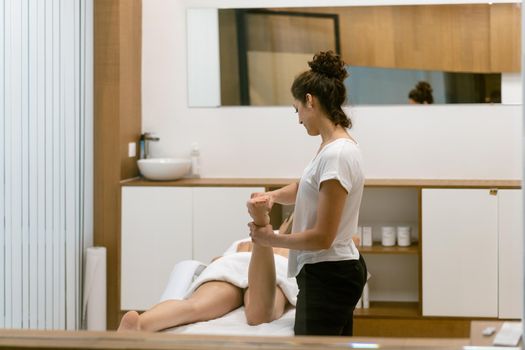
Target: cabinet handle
[{"x": 493, "y": 191}]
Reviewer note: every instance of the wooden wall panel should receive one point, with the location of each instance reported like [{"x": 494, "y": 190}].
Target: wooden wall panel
[
  {"x": 439, "y": 37},
  {"x": 117, "y": 120},
  {"x": 367, "y": 36},
  {"x": 456, "y": 38},
  {"x": 130, "y": 53},
  {"x": 106, "y": 125},
  {"x": 505, "y": 37}
]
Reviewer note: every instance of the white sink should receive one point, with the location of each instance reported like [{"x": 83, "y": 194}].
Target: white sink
[{"x": 164, "y": 168}]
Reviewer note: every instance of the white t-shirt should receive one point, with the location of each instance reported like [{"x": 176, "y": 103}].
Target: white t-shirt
[{"x": 341, "y": 160}]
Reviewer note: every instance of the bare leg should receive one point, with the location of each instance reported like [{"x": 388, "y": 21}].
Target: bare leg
[
  {"x": 263, "y": 300},
  {"x": 211, "y": 300}
]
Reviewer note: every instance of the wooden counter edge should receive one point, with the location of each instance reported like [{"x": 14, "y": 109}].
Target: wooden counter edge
[
  {"x": 33, "y": 339},
  {"x": 280, "y": 182}
]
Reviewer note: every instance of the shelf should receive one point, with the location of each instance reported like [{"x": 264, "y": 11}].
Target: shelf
[
  {"x": 212, "y": 182},
  {"x": 443, "y": 183},
  {"x": 379, "y": 249},
  {"x": 280, "y": 182},
  {"x": 389, "y": 309}
]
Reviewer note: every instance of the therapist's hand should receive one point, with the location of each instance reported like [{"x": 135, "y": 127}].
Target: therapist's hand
[{"x": 262, "y": 235}]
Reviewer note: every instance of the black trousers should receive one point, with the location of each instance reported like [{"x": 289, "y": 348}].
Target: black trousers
[{"x": 328, "y": 294}]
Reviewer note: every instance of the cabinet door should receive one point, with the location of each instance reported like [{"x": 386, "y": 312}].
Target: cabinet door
[
  {"x": 510, "y": 254},
  {"x": 220, "y": 217},
  {"x": 460, "y": 253},
  {"x": 156, "y": 233}
]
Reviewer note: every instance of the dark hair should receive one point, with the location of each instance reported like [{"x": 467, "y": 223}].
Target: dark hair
[
  {"x": 421, "y": 93},
  {"x": 324, "y": 80}
]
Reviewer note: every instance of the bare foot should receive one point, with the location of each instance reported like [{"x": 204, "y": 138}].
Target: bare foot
[
  {"x": 129, "y": 322},
  {"x": 259, "y": 209}
]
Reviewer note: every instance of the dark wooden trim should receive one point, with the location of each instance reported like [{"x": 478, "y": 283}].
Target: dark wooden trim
[{"x": 242, "y": 52}]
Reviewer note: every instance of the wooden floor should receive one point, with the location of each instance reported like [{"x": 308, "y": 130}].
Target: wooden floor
[{"x": 25, "y": 339}]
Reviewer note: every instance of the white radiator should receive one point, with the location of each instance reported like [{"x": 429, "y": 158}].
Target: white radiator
[{"x": 45, "y": 160}]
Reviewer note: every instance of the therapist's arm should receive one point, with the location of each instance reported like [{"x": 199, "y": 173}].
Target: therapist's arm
[
  {"x": 284, "y": 195},
  {"x": 332, "y": 199}
]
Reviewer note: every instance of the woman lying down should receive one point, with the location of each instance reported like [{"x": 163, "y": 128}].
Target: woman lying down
[{"x": 251, "y": 275}]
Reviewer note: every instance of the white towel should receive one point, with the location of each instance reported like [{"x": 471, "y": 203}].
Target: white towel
[{"x": 233, "y": 268}]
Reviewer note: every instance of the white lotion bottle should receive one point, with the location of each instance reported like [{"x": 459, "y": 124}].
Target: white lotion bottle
[
  {"x": 195, "y": 160},
  {"x": 366, "y": 297}
]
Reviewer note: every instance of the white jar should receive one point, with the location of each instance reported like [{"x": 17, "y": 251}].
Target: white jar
[
  {"x": 388, "y": 236},
  {"x": 403, "y": 236}
]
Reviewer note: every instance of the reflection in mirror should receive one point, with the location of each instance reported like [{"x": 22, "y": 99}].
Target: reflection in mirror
[
  {"x": 460, "y": 50},
  {"x": 380, "y": 86},
  {"x": 272, "y": 47}
]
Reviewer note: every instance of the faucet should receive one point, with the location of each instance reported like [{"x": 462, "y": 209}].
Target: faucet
[{"x": 148, "y": 137}]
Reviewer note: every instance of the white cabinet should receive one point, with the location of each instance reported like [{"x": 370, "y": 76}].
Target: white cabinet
[
  {"x": 460, "y": 252},
  {"x": 510, "y": 253},
  {"x": 156, "y": 233},
  {"x": 164, "y": 225}
]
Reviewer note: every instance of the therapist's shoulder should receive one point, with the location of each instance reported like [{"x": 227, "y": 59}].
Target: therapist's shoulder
[{"x": 343, "y": 148}]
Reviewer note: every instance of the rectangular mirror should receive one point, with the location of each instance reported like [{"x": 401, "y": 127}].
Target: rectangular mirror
[{"x": 461, "y": 50}]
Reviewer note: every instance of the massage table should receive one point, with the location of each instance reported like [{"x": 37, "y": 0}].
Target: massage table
[{"x": 233, "y": 323}]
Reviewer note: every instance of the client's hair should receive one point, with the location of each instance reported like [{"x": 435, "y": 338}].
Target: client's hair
[{"x": 422, "y": 93}]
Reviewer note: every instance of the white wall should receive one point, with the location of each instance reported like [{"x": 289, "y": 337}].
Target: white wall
[
  {"x": 511, "y": 88},
  {"x": 447, "y": 141}
]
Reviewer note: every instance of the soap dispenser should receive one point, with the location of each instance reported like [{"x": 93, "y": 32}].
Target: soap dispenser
[{"x": 195, "y": 160}]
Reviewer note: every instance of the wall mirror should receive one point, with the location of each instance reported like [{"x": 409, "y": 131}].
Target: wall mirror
[{"x": 250, "y": 56}]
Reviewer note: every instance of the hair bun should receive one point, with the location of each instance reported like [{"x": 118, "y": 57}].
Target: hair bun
[
  {"x": 329, "y": 64},
  {"x": 424, "y": 87}
]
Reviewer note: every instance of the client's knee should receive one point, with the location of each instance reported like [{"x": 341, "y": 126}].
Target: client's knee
[
  {"x": 257, "y": 315},
  {"x": 196, "y": 309}
]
